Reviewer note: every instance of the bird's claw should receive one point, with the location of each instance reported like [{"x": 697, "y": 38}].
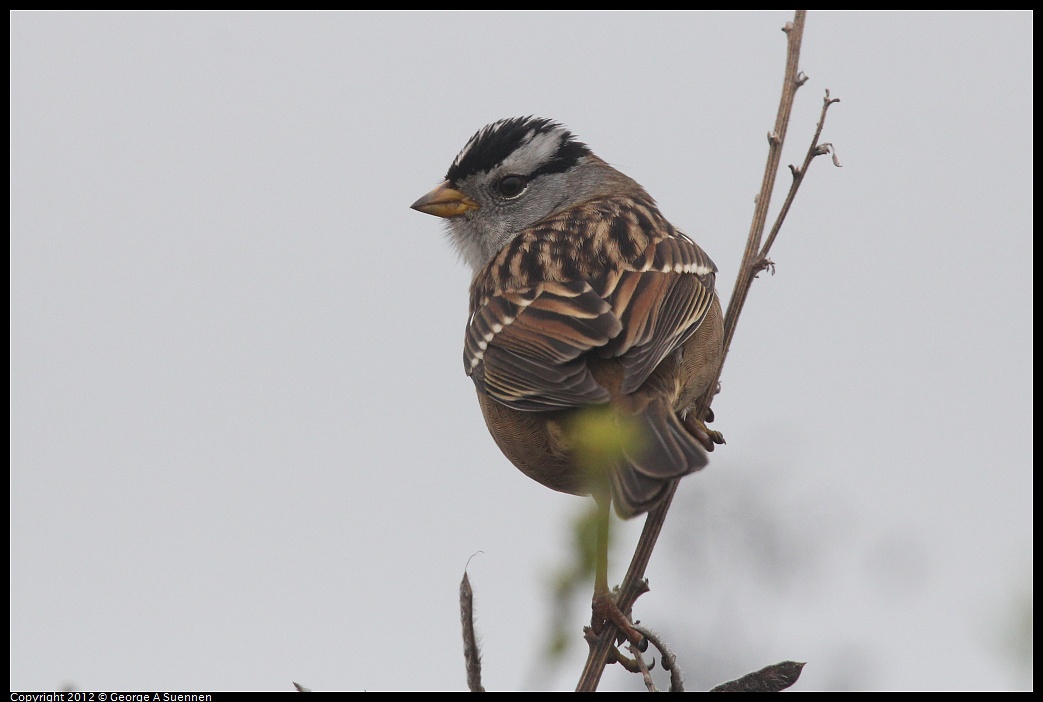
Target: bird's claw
[
  {"x": 703, "y": 434},
  {"x": 605, "y": 609}
]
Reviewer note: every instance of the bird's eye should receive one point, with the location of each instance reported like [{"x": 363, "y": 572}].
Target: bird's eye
[{"x": 511, "y": 186}]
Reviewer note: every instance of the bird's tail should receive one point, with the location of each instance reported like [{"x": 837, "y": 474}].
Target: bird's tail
[{"x": 661, "y": 451}]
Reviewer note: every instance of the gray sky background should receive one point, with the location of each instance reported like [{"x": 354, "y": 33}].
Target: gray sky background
[{"x": 243, "y": 448}]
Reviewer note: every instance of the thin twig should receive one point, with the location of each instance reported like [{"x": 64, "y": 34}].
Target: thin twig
[
  {"x": 792, "y": 80},
  {"x": 752, "y": 257},
  {"x": 472, "y": 654},
  {"x": 814, "y": 150},
  {"x": 667, "y": 656},
  {"x": 646, "y": 676}
]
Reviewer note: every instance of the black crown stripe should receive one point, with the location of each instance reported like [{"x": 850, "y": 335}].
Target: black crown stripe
[{"x": 492, "y": 144}]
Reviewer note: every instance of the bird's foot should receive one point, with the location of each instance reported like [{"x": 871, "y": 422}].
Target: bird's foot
[
  {"x": 703, "y": 434},
  {"x": 605, "y": 609}
]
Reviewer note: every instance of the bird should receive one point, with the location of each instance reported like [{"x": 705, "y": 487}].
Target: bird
[{"x": 594, "y": 326}]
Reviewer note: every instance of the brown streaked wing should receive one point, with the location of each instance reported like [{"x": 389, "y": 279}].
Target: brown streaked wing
[
  {"x": 523, "y": 349},
  {"x": 660, "y": 307}
]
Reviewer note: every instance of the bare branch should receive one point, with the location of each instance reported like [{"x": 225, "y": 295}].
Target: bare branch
[
  {"x": 668, "y": 657},
  {"x": 814, "y": 150},
  {"x": 754, "y": 261},
  {"x": 472, "y": 654},
  {"x": 646, "y": 676}
]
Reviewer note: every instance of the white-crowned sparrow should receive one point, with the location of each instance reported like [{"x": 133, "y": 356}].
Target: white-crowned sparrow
[{"x": 583, "y": 296}]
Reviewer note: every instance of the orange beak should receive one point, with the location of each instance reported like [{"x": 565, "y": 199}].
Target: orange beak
[{"x": 445, "y": 201}]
